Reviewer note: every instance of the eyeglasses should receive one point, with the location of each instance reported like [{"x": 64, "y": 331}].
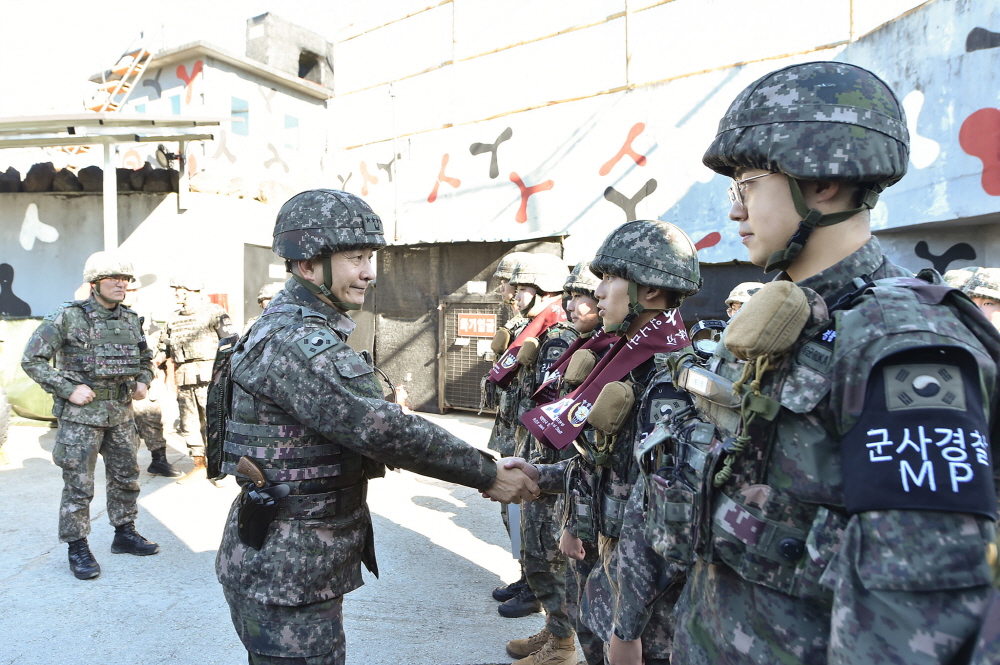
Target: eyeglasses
[
  {"x": 117, "y": 278},
  {"x": 736, "y": 188}
]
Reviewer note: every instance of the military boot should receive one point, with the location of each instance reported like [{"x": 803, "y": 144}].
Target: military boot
[
  {"x": 505, "y": 593},
  {"x": 127, "y": 541},
  {"x": 528, "y": 646},
  {"x": 197, "y": 472},
  {"x": 520, "y": 605},
  {"x": 82, "y": 561},
  {"x": 555, "y": 651},
  {"x": 161, "y": 466}
]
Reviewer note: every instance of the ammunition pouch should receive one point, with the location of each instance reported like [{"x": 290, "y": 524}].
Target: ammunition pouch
[
  {"x": 583, "y": 516},
  {"x": 528, "y": 353},
  {"x": 580, "y": 366},
  {"x": 612, "y": 407},
  {"x": 612, "y": 515},
  {"x": 501, "y": 340}
]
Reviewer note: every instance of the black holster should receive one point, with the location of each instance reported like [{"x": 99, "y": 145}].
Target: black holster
[{"x": 253, "y": 521}]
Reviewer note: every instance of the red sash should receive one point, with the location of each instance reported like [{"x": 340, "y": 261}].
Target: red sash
[
  {"x": 549, "y": 390},
  {"x": 558, "y": 423},
  {"x": 504, "y": 369}
]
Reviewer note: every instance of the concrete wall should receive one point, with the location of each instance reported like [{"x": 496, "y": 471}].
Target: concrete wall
[{"x": 474, "y": 120}]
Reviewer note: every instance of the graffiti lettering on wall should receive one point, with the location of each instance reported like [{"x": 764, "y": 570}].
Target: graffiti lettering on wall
[
  {"x": 640, "y": 160},
  {"x": 480, "y": 148},
  {"x": 981, "y": 38},
  {"x": 182, "y": 74},
  {"x": 710, "y": 240},
  {"x": 268, "y": 94},
  {"x": 388, "y": 167},
  {"x": 276, "y": 159},
  {"x": 454, "y": 182},
  {"x": 958, "y": 252},
  {"x": 10, "y": 304},
  {"x": 522, "y": 213},
  {"x": 343, "y": 180},
  {"x": 223, "y": 151},
  {"x": 923, "y": 151},
  {"x": 980, "y": 137},
  {"x": 33, "y": 228},
  {"x": 366, "y": 178},
  {"x": 628, "y": 205},
  {"x": 154, "y": 83}
]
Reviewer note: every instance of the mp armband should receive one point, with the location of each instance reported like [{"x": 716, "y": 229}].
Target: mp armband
[{"x": 921, "y": 442}]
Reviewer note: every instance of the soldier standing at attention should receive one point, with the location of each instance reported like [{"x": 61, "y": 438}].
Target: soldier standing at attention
[
  {"x": 843, "y": 509},
  {"x": 308, "y": 421},
  {"x": 504, "y": 400},
  {"x": 149, "y": 412},
  {"x": 102, "y": 363},
  {"x": 191, "y": 338},
  {"x": 647, "y": 268}
]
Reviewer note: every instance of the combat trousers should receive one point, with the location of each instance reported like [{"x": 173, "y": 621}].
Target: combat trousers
[
  {"x": 289, "y": 635},
  {"x": 191, "y": 400},
  {"x": 544, "y": 564},
  {"x": 75, "y": 452},
  {"x": 576, "y": 577},
  {"x": 149, "y": 418}
]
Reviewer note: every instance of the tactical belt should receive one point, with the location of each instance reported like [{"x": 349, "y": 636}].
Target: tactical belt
[
  {"x": 116, "y": 394},
  {"x": 350, "y": 468},
  {"x": 338, "y": 503},
  {"x": 613, "y": 511}
]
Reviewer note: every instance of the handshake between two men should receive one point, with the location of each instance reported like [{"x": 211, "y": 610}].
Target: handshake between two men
[{"x": 516, "y": 481}]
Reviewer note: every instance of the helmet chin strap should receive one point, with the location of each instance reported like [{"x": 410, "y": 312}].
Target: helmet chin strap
[
  {"x": 811, "y": 218},
  {"x": 531, "y": 304},
  {"x": 324, "y": 288},
  {"x": 634, "y": 310}
]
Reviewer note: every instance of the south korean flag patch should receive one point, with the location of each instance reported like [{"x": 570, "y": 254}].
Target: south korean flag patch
[{"x": 921, "y": 442}]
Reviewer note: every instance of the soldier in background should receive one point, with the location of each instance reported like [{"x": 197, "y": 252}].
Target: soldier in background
[
  {"x": 102, "y": 363},
  {"x": 149, "y": 412},
  {"x": 191, "y": 338},
  {"x": 504, "y": 400},
  {"x": 984, "y": 289},
  {"x": 739, "y": 295},
  {"x": 264, "y": 296}
]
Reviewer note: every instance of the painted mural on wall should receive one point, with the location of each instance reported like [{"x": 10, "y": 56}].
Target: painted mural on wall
[{"x": 585, "y": 166}]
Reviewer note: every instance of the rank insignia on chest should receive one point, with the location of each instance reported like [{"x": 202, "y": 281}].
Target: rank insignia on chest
[
  {"x": 817, "y": 353},
  {"x": 316, "y": 342}
]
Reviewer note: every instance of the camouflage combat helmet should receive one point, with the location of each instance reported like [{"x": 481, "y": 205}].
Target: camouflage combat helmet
[
  {"x": 648, "y": 253},
  {"x": 743, "y": 291},
  {"x": 189, "y": 282},
  {"x": 100, "y": 265},
  {"x": 984, "y": 284},
  {"x": 959, "y": 277},
  {"x": 319, "y": 222},
  {"x": 581, "y": 280},
  {"x": 815, "y": 121},
  {"x": 506, "y": 266},
  {"x": 268, "y": 291},
  {"x": 546, "y": 272}
]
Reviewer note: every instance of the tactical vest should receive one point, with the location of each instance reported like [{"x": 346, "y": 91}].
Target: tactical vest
[
  {"x": 192, "y": 336},
  {"x": 112, "y": 351},
  {"x": 326, "y": 479}
]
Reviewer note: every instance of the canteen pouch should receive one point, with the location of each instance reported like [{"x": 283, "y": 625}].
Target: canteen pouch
[
  {"x": 501, "y": 340},
  {"x": 611, "y": 408},
  {"x": 580, "y": 365},
  {"x": 769, "y": 323},
  {"x": 669, "y": 520},
  {"x": 528, "y": 353}
]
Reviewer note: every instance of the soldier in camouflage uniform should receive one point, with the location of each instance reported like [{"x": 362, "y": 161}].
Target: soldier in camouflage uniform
[
  {"x": 264, "y": 297},
  {"x": 793, "y": 559},
  {"x": 102, "y": 363},
  {"x": 504, "y": 400},
  {"x": 308, "y": 410},
  {"x": 539, "y": 281},
  {"x": 581, "y": 554},
  {"x": 984, "y": 289},
  {"x": 191, "y": 338},
  {"x": 646, "y": 268},
  {"x": 149, "y": 412}
]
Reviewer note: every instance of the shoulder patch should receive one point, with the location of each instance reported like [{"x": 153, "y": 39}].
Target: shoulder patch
[{"x": 316, "y": 342}]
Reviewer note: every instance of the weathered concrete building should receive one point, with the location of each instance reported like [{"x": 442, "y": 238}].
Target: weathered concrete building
[{"x": 472, "y": 126}]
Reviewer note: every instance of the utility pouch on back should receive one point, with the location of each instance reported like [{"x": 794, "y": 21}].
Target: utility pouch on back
[
  {"x": 612, "y": 407},
  {"x": 217, "y": 404},
  {"x": 580, "y": 366}
]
